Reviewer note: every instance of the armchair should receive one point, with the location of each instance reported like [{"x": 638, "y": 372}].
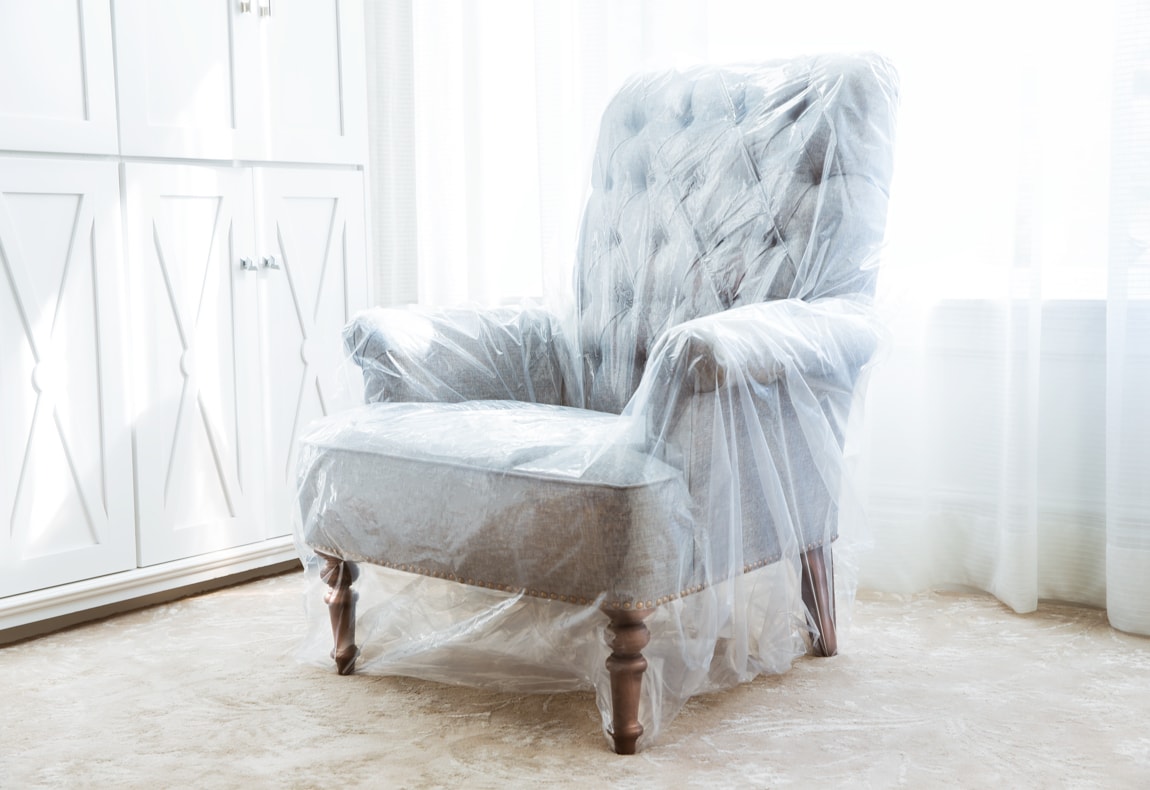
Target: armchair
[{"x": 663, "y": 466}]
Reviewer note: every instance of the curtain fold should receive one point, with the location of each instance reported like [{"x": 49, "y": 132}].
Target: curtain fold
[
  {"x": 391, "y": 173},
  {"x": 1128, "y": 332},
  {"x": 1006, "y": 445}
]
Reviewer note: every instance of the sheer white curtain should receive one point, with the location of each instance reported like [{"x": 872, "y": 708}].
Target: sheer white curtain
[
  {"x": 1009, "y": 430},
  {"x": 1007, "y": 440}
]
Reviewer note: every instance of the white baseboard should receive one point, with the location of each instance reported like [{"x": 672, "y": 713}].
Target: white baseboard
[{"x": 41, "y": 611}]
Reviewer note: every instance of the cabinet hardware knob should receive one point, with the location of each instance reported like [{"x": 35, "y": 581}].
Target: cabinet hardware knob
[
  {"x": 271, "y": 263},
  {"x": 266, "y": 8},
  {"x": 245, "y": 6},
  {"x": 248, "y": 265}
]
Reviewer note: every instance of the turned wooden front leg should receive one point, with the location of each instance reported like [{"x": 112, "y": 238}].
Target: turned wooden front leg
[
  {"x": 627, "y": 637},
  {"x": 819, "y": 598},
  {"x": 340, "y": 599}
]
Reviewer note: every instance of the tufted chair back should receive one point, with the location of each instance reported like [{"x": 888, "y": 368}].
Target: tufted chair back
[{"x": 716, "y": 188}]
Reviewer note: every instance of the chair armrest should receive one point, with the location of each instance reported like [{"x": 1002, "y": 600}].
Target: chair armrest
[
  {"x": 825, "y": 342},
  {"x": 451, "y": 355},
  {"x": 752, "y": 405}
]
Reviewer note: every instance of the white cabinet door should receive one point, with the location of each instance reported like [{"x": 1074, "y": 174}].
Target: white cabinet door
[
  {"x": 65, "y": 464},
  {"x": 196, "y": 356},
  {"x": 314, "y": 64},
  {"x": 188, "y": 73},
  {"x": 312, "y": 226},
  {"x": 56, "y": 88},
  {"x": 224, "y": 79}
]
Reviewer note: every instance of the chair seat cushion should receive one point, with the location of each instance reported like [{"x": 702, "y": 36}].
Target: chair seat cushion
[{"x": 550, "y": 500}]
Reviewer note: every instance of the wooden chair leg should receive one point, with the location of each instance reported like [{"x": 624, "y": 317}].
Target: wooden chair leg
[
  {"x": 819, "y": 598},
  {"x": 628, "y": 636},
  {"x": 340, "y": 599}
]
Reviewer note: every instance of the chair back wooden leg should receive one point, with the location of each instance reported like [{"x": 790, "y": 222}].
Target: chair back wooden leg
[
  {"x": 819, "y": 598},
  {"x": 628, "y": 635},
  {"x": 340, "y": 599}
]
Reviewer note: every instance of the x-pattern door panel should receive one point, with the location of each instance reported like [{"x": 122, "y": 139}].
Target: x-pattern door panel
[
  {"x": 196, "y": 354},
  {"x": 313, "y": 231},
  {"x": 65, "y": 480}
]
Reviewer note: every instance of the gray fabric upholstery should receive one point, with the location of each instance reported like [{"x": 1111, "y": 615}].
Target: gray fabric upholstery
[
  {"x": 826, "y": 342},
  {"x": 746, "y": 368},
  {"x": 727, "y": 188},
  {"x": 422, "y": 487},
  {"x": 456, "y": 355},
  {"x": 806, "y": 490}
]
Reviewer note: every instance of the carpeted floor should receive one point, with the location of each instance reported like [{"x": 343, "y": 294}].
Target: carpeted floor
[{"x": 929, "y": 691}]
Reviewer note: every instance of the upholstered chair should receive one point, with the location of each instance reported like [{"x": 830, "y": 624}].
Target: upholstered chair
[{"x": 668, "y": 451}]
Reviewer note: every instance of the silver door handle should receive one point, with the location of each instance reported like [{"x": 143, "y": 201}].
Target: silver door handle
[
  {"x": 271, "y": 263},
  {"x": 248, "y": 265},
  {"x": 266, "y": 8},
  {"x": 245, "y": 6}
]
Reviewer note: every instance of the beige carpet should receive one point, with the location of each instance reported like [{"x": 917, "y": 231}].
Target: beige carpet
[{"x": 940, "y": 690}]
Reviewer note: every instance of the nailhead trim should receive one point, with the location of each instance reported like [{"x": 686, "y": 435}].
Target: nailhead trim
[{"x": 572, "y": 599}]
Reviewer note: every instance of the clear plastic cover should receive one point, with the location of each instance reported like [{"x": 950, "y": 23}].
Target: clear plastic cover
[{"x": 672, "y": 445}]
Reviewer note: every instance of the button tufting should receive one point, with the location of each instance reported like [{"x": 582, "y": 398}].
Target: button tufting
[{"x": 635, "y": 120}]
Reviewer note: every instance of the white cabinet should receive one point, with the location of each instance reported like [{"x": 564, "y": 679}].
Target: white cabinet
[
  {"x": 195, "y": 358},
  {"x": 315, "y": 80},
  {"x": 188, "y": 75},
  {"x": 56, "y": 79},
  {"x": 177, "y": 259},
  {"x": 65, "y": 481},
  {"x": 275, "y": 80},
  {"x": 312, "y": 225},
  {"x": 241, "y": 282}
]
